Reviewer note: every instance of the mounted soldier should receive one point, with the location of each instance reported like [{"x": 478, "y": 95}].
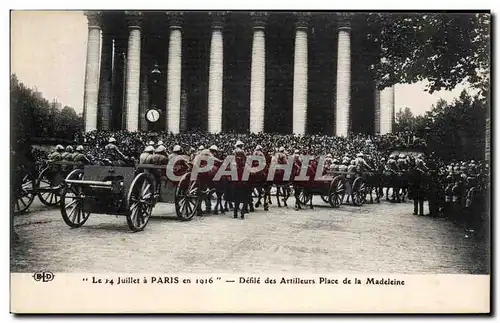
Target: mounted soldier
[
  {"x": 160, "y": 156},
  {"x": 114, "y": 154},
  {"x": 147, "y": 155},
  {"x": 56, "y": 155},
  {"x": 80, "y": 157},
  {"x": 361, "y": 165}
]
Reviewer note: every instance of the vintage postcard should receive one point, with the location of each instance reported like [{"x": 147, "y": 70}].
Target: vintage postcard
[{"x": 263, "y": 161}]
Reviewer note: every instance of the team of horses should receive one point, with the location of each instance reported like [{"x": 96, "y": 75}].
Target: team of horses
[{"x": 246, "y": 195}]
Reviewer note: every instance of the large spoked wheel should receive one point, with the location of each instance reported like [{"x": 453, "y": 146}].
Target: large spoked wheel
[
  {"x": 140, "y": 201},
  {"x": 25, "y": 193},
  {"x": 304, "y": 197},
  {"x": 358, "y": 192},
  {"x": 187, "y": 198},
  {"x": 337, "y": 192},
  {"x": 72, "y": 210},
  {"x": 48, "y": 185}
]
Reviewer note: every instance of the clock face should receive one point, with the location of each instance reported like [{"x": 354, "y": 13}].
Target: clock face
[{"x": 153, "y": 115}]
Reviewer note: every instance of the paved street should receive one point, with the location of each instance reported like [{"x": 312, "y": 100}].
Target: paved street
[{"x": 373, "y": 238}]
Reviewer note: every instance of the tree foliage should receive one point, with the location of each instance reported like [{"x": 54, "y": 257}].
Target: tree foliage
[
  {"x": 32, "y": 116},
  {"x": 445, "y": 49},
  {"x": 453, "y": 130}
]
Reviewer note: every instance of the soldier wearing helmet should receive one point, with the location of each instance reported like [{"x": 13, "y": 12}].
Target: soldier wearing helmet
[
  {"x": 176, "y": 151},
  {"x": 80, "y": 157},
  {"x": 160, "y": 156},
  {"x": 392, "y": 165},
  {"x": 67, "y": 155},
  {"x": 343, "y": 167},
  {"x": 113, "y": 153},
  {"x": 239, "y": 154},
  {"x": 56, "y": 155},
  {"x": 402, "y": 162},
  {"x": 361, "y": 165},
  {"x": 420, "y": 164},
  {"x": 258, "y": 151},
  {"x": 146, "y": 155},
  {"x": 335, "y": 165},
  {"x": 328, "y": 161}
]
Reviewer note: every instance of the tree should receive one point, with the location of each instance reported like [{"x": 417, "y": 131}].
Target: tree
[
  {"x": 34, "y": 116},
  {"x": 405, "y": 120},
  {"x": 445, "y": 49},
  {"x": 456, "y": 130}
]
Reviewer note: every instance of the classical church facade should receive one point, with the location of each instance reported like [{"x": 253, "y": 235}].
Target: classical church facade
[{"x": 285, "y": 72}]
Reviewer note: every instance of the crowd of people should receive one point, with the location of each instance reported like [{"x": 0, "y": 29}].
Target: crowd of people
[{"x": 377, "y": 151}]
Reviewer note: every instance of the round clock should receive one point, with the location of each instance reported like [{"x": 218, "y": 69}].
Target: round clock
[{"x": 152, "y": 115}]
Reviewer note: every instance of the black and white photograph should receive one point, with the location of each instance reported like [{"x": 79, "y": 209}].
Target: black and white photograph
[{"x": 250, "y": 142}]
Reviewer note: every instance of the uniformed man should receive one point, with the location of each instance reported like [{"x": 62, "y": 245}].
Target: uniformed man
[
  {"x": 56, "y": 155},
  {"x": 328, "y": 161},
  {"x": 343, "y": 167},
  {"x": 392, "y": 166},
  {"x": 113, "y": 153},
  {"x": 67, "y": 155},
  {"x": 176, "y": 151},
  {"x": 334, "y": 167},
  {"x": 160, "y": 143},
  {"x": 361, "y": 165},
  {"x": 80, "y": 157},
  {"x": 402, "y": 162},
  {"x": 420, "y": 164},
  {"x": 160, "y": 156},
  {"x": 146, "y": 155},
  {"x": 258, "y": 151},
  {"x": 280, "y": 156},
  {"x": 239, "y": 154}
]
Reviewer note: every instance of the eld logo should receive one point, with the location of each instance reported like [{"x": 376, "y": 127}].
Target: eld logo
[{"x": 43, "y": 276}]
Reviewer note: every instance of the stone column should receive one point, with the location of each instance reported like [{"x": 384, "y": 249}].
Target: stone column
[
  {"x": 386, "y": 110},
  {"x": 258, "y": 73},
  {"x": 216, "y": 74},
  {"x": 343, "y": 96},
  {"x": 105, "y": 82},
  {"x": 174, "y": 73},
  {"x": 376, "y": 118},
  {"x": 118, "y": 82},
  {"x": 184, "y": 105},
  {"x": 133, "y": 72},
  {"x": 91, "y": 88},
  {"x": 144, "y": 98},
  {"x": 300, "y": 75}
]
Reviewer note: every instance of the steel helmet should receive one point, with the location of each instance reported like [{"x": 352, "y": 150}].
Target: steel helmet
[
  {"x": 329, "y": 155},
  {"x": 296, "y": 151},
  {"x": 201, "y": 147},
  {"x": 401, "y": 156},
  {"x": 151, "y": 143},
  {"x": 238, "y": 143},
  {"x": 149, "y": 149},
  {"x": 160, "y": 149},
  {"x": 282, "y": 149},
  {"x": 336, "y": 161},
  {"x": 176, "y": 149},
  {"x": 112, "y": 139},
  {"x": 79, "y": 148},
  {"x": 213, "y": 147},
  {"x": 59, "y": 147},
  {"x": 160, "y": 143},
  {"x": 259, "y": 147},
  {"x": 69, "y": 148}
]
